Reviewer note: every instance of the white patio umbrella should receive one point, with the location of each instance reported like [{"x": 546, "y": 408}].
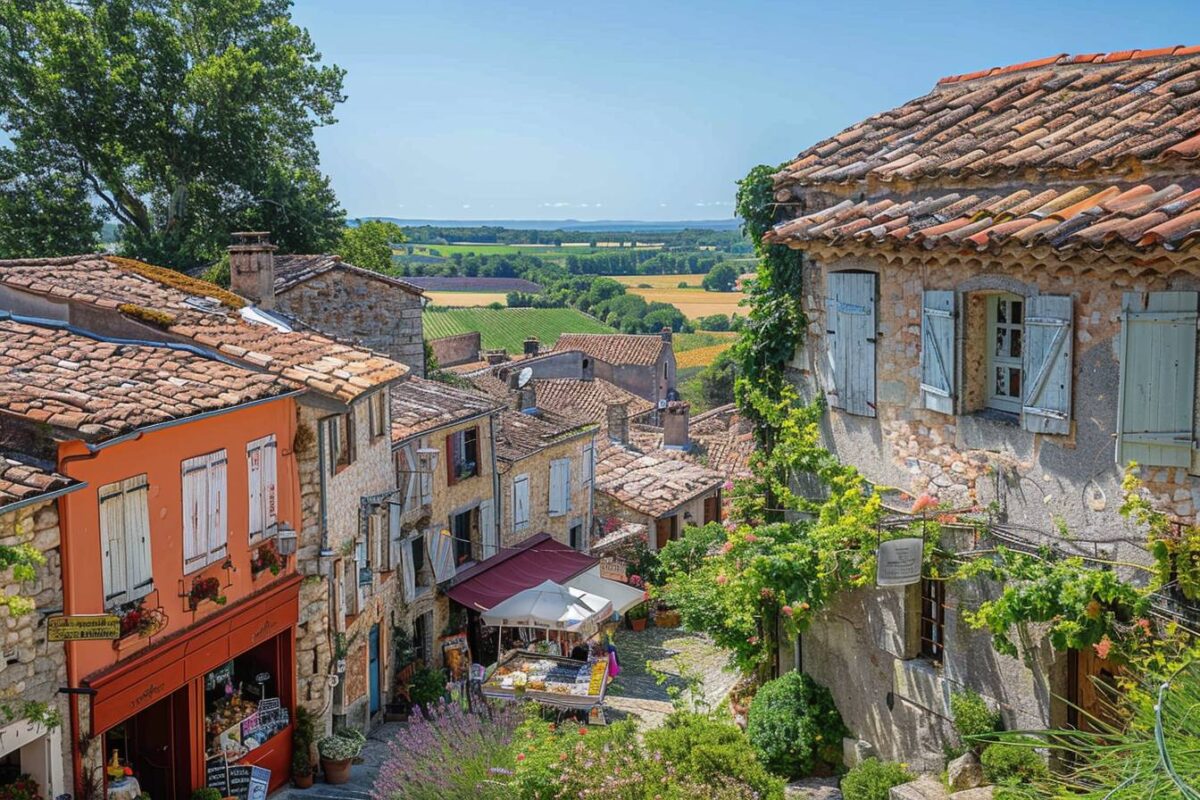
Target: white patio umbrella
[{"x": 552, "y": 606}]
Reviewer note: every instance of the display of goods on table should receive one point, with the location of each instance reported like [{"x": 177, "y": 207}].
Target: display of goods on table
[{"x": 549, "y": 679}]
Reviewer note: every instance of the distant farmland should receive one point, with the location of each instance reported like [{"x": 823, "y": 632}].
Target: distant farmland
[
  {"x": 508, "y": 327},
  {"x": 692, "y": 302},
  {"x": 441, "y": 284}
]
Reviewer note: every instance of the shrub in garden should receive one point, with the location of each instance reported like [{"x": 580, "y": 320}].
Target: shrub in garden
[
  {"x": 709, "y": 749},
  {"x": 973, "y": 717},
  {"x": 454, "y": 753},
  {"x": 1013, "y": 762},
  {"x": 556, "y": 762},
  {"x": 428, "y": 687},
  {"x": 873, "y": 780},
  {"x": 794, "y": 725}
]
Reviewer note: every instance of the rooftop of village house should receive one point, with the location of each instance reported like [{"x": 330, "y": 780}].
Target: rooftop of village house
[
  {"x": 294, "y": 268},
  {"x": 521, "y": 434},
  {"x": 206, "y": 314},
  {"x": 616, "y": 348},
  {"x": 24, "y": 478},
  {"x": 720, "y": 439},
  {"x": 651, "y": 482},
  {"x": 88, "y": 388},
  {"x": 576, "y": 398},
  {"x": 420, "y": 406}
]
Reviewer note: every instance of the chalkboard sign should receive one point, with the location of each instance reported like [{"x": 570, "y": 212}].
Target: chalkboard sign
[
  {"x": 242, "y": 782},
  {"x": 268, "y": 704}
]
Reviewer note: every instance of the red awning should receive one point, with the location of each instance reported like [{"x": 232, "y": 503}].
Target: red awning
[{"x": 515, "y": 569}]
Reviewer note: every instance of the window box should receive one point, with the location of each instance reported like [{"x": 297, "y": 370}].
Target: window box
[
  {"x": 138, "y": 621},
  {"x": 205, "y": 589},
  {"x": 266, "y": 558}
]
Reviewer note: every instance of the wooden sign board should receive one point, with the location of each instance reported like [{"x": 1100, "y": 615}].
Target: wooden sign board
[
  {"x": 79, "y": 627},
  {"x": 613, "y": 569}
]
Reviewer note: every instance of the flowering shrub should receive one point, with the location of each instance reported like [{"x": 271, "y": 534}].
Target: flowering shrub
[
  {"x": 23, "y": 788},
  {"x": 455, "y": 753},
  {"x": 873, "y": 780}
]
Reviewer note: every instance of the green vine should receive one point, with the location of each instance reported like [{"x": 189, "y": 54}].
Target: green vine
[
  {"x": 34, "y": 711},
  {"x": 23, "y": 560},
  {"x": 1176, "y": 549}
]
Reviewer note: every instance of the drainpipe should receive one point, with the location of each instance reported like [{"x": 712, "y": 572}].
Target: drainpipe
[
  {"x": 496, "y": 509},
  {"x": 587, "y": 536}
]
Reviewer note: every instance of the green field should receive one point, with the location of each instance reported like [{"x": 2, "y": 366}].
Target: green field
[
  {"x": 543, "y": 250},
  {"x": 508, "y": 327}
]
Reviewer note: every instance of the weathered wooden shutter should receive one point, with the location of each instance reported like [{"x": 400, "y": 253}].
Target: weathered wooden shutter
[
  {"x": 441, "y": 555},
  {"x": 1047, "y": 364},
  {"x": 112, "y": 539},
  {"x": 395, "y": 535},
  {"x": 937, "y": 351},
  {"x": 487, "y": 524},
  {"x": 451, "y": 473},
  {"x": 589, "y": 464},
  {"x": 520, "y": 501},
  {"x": 1157, "y": 395},
  {"x": 558, "y": 503},
  {"x": 254, "y": 477},
  {"x": 195, "y": 513},
  {"x": 850, "y": 332},
  {"x": 139, "y": 571},
  {"x": 425, "y": 478},
  {"x": 270, "y": 484},
  {"x": 408, "y": 568},
  {"x": 218, "y": 495}
]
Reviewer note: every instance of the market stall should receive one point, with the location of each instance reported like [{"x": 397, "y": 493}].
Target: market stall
[{"x": 552, "y": 680}]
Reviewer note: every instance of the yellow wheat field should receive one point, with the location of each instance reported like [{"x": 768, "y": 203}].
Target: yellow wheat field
[
  {"x": 691, "y": 302},
  {"x": 701, "y": 356},
  {"x": 466, "y": 299}
]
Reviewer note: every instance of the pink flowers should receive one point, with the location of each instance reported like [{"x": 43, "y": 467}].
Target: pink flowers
[
  {"x": 787, "y": 611},
  {"x": 520, "y": 756},
  {"x": 923, "y": 502},
  {"x": 766, "y": 594},
  {"x": 750, "y": 537},
  {"x": 1103, "y": 647},
  {"x": 752, "y": 640},
  {"x": 728, "y": 486},
  {"x": 1144, "y": 624},
  {"x": 636, "y": 581},
  {"x": 722, "y": 579},
  {"x": 726, "y": 548}
]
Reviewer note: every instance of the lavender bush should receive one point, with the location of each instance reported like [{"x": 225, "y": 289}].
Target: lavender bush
[{"x": 454, "y": 754}]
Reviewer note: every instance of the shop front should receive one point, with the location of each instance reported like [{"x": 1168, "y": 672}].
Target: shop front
[{"x": 219, "y": 694}]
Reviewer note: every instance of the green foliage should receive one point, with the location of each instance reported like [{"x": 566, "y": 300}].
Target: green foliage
[
  {"x": 23, "y": 560},
  {"x": 873, "y": 780},
  {"x": 34, "y": 712},
  {"x": 718, "y": 379},
  {"x": 338, "y": 748},
  {"x": 507, "y": 328},
  {"x": 206, "y": 793},
  {"x": 793, "y": 725},
  {"x": 707, "y": 747},
  {"x": 972, "y": 716},
  {"x": 721, "y": 278},
  {"x": 368, "y": 244},
  {"x": 428, "y": 686},
  {"x": 688, "y": 553},
  {"x": 180, "y": 120},
  {"x": 1176, "y": 552},
  {"x": 1014, "y": 762},
  {"x": 715, "y": 322}
]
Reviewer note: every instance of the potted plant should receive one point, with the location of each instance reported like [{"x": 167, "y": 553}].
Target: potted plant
[
  {"x": 637, "y": 617},
  {"x": 302, "y": 769},
  {"x": 428, "y": 687},
  {"x": 336, "y": 754},
  {"x": 266, "y": 558},
  {"x": 302, "y": 742}
]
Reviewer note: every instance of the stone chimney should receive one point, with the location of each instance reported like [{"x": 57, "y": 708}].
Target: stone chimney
[
  {"x": 617, "y": 415},
  {"x": 252, "y": 267},
  {"x": 675, "y": 425},
  {"x": 531, "y": 346},
  {"x": 493, "y": 357},
  {"x": 666, "y": 335},
  {"x": 527, "y": 398}
]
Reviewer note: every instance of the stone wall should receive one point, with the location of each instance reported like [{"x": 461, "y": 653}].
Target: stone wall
[
  {"x": 537, "y": 467},
  {"x": 353, "y": 307},
  {"x": 32, "y": 669},
  {"x": 462, "y": 348},
  {"x": 607, "y": 507}
]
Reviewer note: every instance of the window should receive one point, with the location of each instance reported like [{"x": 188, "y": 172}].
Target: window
[
  {"x": 415, "y": 567},
  {"x": 125, "y": 541},
  {"x": 462, "y": 528},
  {"x": 339, "y": 440},
  {"x": 560, "y": 487},
  {"x": 423, "y": 639},
  {"x": 261, "y": 470},
  {"x": 205, "y": 523},
  {"x": 462, "y": 455},
  {"x": 933, "y": 619},
  {"x": 520, "y": 502},
  {"x": 589, "y": 464},
  {"x": 575, "y": 535},
  {"x": 1006, "y": 332},
  {"x": 377, "y": 413}
]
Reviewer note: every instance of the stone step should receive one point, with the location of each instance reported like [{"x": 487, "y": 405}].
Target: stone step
[
  {"x": 328, "y": 791},
  {"x": 982, "y": 793},
  {"x": 924, "y": 788}
]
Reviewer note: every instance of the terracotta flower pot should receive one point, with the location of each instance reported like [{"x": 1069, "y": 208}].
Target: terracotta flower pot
[
  {"x": 638, "y": 624},
  {"x": 336, "y": 771},
  {"x": 302, "y": 781}
]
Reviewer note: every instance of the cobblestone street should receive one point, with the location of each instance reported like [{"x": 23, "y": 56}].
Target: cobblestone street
[{"x": 636, "y": 693}]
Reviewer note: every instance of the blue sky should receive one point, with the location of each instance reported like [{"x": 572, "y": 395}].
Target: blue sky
[{"x": 652, "y": 109}]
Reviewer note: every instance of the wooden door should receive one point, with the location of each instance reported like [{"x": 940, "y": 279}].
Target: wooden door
[
  {"x": 712, "y": 509},
  {"x": 663, "y": 531},
  {"x": 1091, "y": 690}
]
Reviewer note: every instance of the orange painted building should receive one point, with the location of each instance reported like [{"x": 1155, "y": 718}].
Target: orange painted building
[{"x": 182, "y": 531}]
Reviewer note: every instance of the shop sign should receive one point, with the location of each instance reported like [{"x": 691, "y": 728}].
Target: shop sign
[
  {"x": 613, "y": 569},
  {"x": 456, "y": 652},
  {"x": 79, "y": 627},
  {"x": 241, "y": 782},
  {"x": 898, "y": 562}
]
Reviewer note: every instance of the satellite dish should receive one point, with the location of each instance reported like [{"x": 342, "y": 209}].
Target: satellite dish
[{"x": 524, "y": 376}]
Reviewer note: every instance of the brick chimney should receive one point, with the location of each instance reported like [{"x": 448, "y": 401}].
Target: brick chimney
[
  {"x": 675, "y": 425},
  {"x": 531, "y": 346},
  {"x": 252, "y": 267},
  {"x": 666, "y": 334},
  {"x": 617, "y": 415}
]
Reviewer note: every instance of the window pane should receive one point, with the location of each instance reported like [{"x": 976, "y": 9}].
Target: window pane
[
  {"x": 1001, "y": 348},
  {"x": 1001, "y": 381},
  {"x": 1015, "y": 311},
  {"x": 1002, "y": 311},
  {"x": 1014, "y": 343},
  {"x": 1014, "y": 382}
]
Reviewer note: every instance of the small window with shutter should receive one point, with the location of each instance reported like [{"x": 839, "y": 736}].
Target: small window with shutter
[
  {"x": 520, "y": 503},
  {"x": 1047, "y": 364},
  {"x": 1157, "y": 394},
  {"x": 205, "y": 510},
  {"x": 850, "y": 322},
  {"x": 937, "y": 351},
  {"x": 560, "y": 487},
  {"x": 125, "y": 541},
  {"x": 262, "y": 469}
]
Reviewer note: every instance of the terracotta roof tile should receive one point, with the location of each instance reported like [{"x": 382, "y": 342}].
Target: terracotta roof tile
[
  {"x": 615, "y": 348},
  {"x": 208, "y": 315},
  {"x": 420, "y": 405},
  {"x": 95, "y": 389},
  {"x": 24, "y": 478},
  {"x": 520, "y": 434},
  {"x": 1097, "y": 111},
  {"x": 653, "y": 482}
]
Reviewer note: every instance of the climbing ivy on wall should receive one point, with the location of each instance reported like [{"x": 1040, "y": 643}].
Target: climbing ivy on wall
[{"x": 23, "y": 560}]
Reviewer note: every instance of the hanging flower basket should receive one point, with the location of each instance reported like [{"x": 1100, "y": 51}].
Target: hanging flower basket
[{"x": 205, "y": 589}]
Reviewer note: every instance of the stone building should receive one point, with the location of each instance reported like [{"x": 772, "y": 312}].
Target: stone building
[
  {"x": 443, "y": 448},
  {"x": 34, "y": 668},
  {"x": 641, "y": 364},
  {"x": 339, "y": 300},
  {"x": 1001, "y": 294}
]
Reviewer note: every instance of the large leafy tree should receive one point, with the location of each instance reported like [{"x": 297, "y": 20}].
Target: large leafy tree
[
  {"x": 369, "y": 244},
  {"x": 181, "y": 120}
]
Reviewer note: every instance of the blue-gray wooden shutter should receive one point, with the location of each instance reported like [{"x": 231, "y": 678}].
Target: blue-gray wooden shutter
[
  {"x": 1046, "y": 364},
  {"x": 850, "y": 333},
  {"x": 937, "y": 351},
  {"x": 1158, "y": 379}
]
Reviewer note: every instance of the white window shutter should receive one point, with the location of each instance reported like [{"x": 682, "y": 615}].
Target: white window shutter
[
  {"x": 139, "y": 568},
  {"x": 589, "y": 464},
  {"x": 408, "y": 466},
  {"x": 195, "y": 513},
  {"x": 1157, "y": 395},
  {"x": 1047, "y": 364},
  {"x": 426, "y": 479},
  {"x": 408, "y": 568},
  {"x": 520, "y": 501},
  {"x": 487, "y": 524},
  {"x": 937, "y": 351},
  {"x": 558, "y": 494},
  {"x": 270, "y": 484},
  {"x": 112, "y": 540},
  {"x": 254, "y": 476},
  {"x": 850, "y": 335},
  {"x": 218, "y": 495},
  {"x": 394, "y": 534},
  {"x": 440, "y": 550}
]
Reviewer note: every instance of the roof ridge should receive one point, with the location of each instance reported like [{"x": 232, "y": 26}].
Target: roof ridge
[{"x": 1064, "y": 59}]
